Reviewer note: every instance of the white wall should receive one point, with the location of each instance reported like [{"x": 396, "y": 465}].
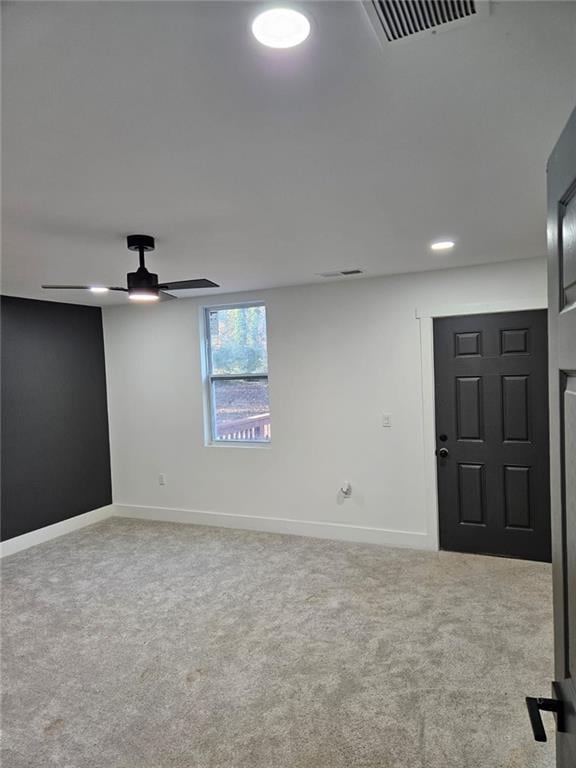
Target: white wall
[{"x": 340, "y": 355}]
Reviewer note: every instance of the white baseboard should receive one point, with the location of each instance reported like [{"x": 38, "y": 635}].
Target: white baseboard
[
  {"x": 18, "y": 543},
  {"x": 319, "y": 530}
]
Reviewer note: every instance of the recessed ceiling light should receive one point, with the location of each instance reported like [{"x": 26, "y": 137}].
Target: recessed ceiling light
[
  {"x": 98, "y": 289},
  {"x": 442, "y": 245},
  {"x": 281, "y": 28}
]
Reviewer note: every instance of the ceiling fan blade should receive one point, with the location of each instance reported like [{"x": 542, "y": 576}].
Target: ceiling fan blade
[
  {"x": 181, "y": 285},
  {"x": 165, "y": 296},
  {"x": 81, "y": 287},
  {"x": 69, "y": 287}
]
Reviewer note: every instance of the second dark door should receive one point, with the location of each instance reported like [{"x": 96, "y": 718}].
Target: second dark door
[{"x": 492, "y": 434}]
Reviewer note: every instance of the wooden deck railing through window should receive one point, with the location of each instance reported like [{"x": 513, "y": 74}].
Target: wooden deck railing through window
[{"x": 250, "y": 428}]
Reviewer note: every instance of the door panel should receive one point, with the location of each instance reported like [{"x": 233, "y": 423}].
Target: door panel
[
  {"x": 468, "y": 344},
  {"x": 568, "y": 246},
  {"x": 491, "y": 406},
  {"x": 469, "y": 408},
  {"x": 562, "y": 348},
  {"x": 517, "y": 498},
  {"x": 515, "y": 413},
  {"x": 471, "y": 494},
  {"x": 514, "y": 342},
  {"x": 570, "y": 516}
]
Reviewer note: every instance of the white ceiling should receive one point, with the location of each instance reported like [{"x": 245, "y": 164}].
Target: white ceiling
[{"x": 261, "y": 168}]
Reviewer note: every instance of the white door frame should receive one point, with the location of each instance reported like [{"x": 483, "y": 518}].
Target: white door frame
[{"x": 425, "y": 316}]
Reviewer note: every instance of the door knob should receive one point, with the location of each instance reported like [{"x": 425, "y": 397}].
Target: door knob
[
  {"x": 548, "y": 705},
  {"x": 443, "y": 453}
]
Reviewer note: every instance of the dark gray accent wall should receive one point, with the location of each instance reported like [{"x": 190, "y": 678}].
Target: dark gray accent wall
[{"x": 55, "y": 443}]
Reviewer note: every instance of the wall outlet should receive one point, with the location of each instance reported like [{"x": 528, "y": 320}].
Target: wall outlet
[
  {"x": 386, "y": 420},
  {"x": 161, "y": 479}
]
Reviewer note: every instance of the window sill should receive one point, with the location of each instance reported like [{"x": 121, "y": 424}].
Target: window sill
[{"x": 238, "y": 444}]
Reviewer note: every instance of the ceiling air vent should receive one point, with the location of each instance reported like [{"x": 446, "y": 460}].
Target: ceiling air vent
[
  {"x": 399, "y": 19},
  {"x": 342, "y": 273}
]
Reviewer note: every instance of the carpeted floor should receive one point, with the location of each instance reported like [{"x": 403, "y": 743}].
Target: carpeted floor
[{"x": 150, "y": 645}]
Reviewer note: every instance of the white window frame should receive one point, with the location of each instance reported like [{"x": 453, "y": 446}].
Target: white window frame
[{"x": 210, "y": 377}]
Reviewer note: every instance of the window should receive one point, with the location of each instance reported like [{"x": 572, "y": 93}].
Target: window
[{"x": 237, "y": 373}]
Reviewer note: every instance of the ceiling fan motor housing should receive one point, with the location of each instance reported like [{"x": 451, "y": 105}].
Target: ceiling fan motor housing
[
  {"x": 142, "y": 281},
  {"x": 140, "y": 243}
]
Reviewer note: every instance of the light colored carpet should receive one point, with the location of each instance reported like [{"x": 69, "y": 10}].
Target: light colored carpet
[{"x": 149, "y": 645}]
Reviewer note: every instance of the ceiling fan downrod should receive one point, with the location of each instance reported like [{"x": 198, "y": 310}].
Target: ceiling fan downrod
[{"x": 140, "y": 243}]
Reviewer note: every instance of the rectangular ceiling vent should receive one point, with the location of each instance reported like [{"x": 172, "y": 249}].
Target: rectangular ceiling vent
[
  {"x": 342, "y": 273},
  {"x": 399, "y": 19}
]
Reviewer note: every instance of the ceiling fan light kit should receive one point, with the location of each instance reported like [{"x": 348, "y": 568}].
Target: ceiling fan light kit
[{"x": 142, "y": 285}]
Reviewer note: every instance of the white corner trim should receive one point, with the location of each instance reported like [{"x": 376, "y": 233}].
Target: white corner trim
[
  {"x": 429, "y": 429},
  {"x": 18, "y": 543},
  {"x": 480, "y": 308},
  {"x": 319, "y": 530}
]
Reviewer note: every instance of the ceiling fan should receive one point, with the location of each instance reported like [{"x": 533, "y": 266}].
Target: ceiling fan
[{"x": 142, "y": 285}]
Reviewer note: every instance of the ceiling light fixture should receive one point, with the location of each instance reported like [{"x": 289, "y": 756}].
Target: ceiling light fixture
[
  {"x": 281, "y": 28},
  {"x": 98, "y": 289},
  {"x": 143, "y": 296},
  {"x": 442, "y": 245}
]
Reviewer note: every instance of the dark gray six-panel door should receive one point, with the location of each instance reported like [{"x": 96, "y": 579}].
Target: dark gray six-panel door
[{"x": 492, "y": 434}]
